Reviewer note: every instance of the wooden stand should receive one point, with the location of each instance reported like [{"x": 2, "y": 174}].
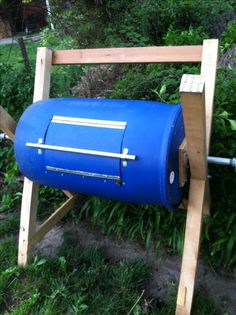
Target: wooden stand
[{"x": 197, "y": 93}]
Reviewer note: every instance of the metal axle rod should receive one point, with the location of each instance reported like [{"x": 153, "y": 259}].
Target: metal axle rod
[
  {"x": 222, "y": 161},
  {"x": 210, "y": 159}
]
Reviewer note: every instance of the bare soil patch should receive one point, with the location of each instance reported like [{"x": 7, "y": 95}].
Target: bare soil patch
[{"x": 164, "y": 270}]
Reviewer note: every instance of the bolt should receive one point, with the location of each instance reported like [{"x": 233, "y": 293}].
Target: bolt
[{"x": 124, "y": 163}]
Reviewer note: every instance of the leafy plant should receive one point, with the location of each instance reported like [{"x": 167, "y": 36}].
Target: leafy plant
[
  {"x": 187, "y": 37},
  {"x": 228, "y": 38}
]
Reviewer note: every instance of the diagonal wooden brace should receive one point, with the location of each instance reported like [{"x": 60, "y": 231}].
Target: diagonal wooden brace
[
  {"x": 29, "y": 235},
  {"x": 7, "y": 123},
  {"x": 193, "y": 103}
]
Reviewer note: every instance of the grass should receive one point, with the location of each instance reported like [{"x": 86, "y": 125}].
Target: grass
[
  {"x": 10, "y": 54},
  {"x": 79, "y": 281}
]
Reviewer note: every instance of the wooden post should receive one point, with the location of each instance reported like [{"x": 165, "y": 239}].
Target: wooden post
[
  {"x": 28, "y": 218},
  {"x": 193, "y": 102},
  {"x": 31, "y": 189},
  {"x": 208, "y": 72}
]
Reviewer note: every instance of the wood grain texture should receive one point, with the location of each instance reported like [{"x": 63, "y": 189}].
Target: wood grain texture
[
  {"x": 168, "y": 54},
  {"x": 68, "y": 193},
  {"x": 191, "y": 247},
  {"x": 29, "y": 206},
  {"x": 7, "y": 123},
  {"x": 183, "y": 164},
  {"x": 210, "y": 56},
  {"x": 193, "y": 104},
  {"x": 31, "y": 189},
  {"x": 42, "y": 74}
]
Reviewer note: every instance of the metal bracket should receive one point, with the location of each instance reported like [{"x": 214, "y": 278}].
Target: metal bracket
[{"x": 3, "y": 136}]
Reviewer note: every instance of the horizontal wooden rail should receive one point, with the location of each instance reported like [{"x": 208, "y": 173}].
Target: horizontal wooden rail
[{"x": 167, "y": 54}]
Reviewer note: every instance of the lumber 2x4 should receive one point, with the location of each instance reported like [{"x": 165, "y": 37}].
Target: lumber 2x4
[
  {"x": 166, "y": 54},
  {"x": 193, "y": 102}
]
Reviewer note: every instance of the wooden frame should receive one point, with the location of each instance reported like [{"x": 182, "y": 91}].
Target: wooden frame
[{"x": 197, "y": 93}]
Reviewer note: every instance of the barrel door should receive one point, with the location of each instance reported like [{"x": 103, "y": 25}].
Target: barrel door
[{"x": 88, "y": 147}]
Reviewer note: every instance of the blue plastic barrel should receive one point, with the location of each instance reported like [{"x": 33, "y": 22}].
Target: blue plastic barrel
[{"x": 118, "y": 149}]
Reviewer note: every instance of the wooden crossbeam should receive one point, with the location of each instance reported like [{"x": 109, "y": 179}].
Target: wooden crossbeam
[{"x": 167, "y": 54}]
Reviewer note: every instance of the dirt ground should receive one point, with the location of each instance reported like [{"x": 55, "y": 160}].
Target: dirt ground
[{"x": 164, "y": 270}]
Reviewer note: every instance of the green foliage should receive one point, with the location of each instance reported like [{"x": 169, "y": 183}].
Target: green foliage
[
  {"x": 228, "y": 38},
  {"x": 84, "y": 23},
  {"x": 16, "y": 89},
  {"x": 186, "y": 37},
  {"x": 9, "y": 225},
  {"x": 151, "y": 224},
  {"x": 138, "y": 23},
  {"x": 50, "y": 199},
  {"x": 153, "y": 82},
  {"x": 219, "y": 233},
  {"x": 159, "y": 82},
  {"x": 50, "y": 39},
  {"x": 78, "y": 282},
  {"x": 63, "y": 79},
  {"x": 10, "y": 54}
]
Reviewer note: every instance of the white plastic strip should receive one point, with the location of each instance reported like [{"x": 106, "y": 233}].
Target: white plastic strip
[
  {"x": 89, "y": 122},
  {"x": 123, "y": 156}
]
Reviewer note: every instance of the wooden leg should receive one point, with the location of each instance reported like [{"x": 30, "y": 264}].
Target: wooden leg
[
  {"x": 28, "y": 219},
  {"x": 191, "y": 247}
]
